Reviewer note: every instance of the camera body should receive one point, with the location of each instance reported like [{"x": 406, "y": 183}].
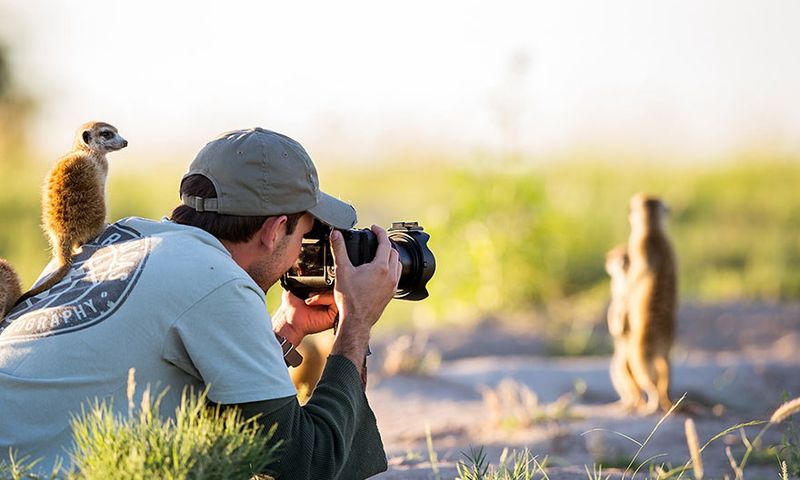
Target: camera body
[{"x": 314, "y": 270}]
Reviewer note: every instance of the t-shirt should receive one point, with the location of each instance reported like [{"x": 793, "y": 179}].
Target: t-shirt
[{"x": 165, "y": 299}]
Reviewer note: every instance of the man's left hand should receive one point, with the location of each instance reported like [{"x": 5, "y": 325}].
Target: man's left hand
[{"x": 296, "y": 318}]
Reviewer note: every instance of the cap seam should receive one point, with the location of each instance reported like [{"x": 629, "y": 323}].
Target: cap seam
[{"x": 265, "y": 193}]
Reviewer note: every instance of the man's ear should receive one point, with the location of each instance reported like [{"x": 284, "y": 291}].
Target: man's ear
[{"x": 272, "y": 231}]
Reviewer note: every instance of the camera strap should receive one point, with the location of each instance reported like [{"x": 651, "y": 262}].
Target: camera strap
[{"x": 290, "y": 354}]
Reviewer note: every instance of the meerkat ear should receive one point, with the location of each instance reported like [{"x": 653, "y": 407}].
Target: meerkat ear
[{"x": 86, "y": 136}]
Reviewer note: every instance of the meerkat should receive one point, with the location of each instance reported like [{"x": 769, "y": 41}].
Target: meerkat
[
  {"x": 10, "y": 287},
  {"x": 73, "y": 197},
  {"x": 652, "y": 300},
  {"x": 315, "y": 350},
  {"x": 616, "y": 265}
]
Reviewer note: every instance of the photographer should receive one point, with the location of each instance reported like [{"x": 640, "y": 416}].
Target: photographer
[{"x": 182, "y": 302}]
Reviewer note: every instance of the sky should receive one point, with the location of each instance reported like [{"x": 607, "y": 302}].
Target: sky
[{"x": 355, "y": 79}]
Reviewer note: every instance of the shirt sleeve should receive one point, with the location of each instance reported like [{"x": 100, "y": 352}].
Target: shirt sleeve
[
  {"x": 226, "y": 341},
  {"x": 334, "y": 436}
]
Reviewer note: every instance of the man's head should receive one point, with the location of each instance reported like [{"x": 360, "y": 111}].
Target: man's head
[{"x": 252, "y": 189}]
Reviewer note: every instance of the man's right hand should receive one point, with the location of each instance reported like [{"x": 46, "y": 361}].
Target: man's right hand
[{"x": 362, "y": 293}]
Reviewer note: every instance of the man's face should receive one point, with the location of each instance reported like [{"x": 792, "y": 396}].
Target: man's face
[
  {"x": 289, "y": 248},
  {"x": 267, "y": 271}
]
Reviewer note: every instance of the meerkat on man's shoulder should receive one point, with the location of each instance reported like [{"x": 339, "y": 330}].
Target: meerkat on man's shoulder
[{"x": 74, "y": 197}]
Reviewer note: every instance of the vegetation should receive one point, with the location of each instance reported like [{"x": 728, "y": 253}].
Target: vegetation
[
  {"x": 523, "y": 465},
  {"x": 513, "y": 466},
  {"x": 512, "y": 239},
  {"x": 200, "y": 443}
]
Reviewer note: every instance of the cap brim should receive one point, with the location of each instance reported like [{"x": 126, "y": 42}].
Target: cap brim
[{"x": 334, "y": 212}]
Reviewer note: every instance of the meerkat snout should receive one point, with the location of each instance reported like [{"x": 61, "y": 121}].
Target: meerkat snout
[{"x": 101, "y": 138}]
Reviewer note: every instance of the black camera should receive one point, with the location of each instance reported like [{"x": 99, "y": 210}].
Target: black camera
[{"x": 314, "y": 270}]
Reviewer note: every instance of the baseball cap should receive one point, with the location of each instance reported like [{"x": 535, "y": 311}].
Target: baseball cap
[{"x": 258, "y": 172}]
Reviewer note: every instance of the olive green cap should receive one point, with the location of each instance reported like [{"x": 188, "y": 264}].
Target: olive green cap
[{"x": 258, "y": 172}]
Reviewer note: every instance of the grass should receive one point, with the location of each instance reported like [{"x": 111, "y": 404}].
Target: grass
[
  {"x": 513, "y": 405},
  {"x": 199, "y": 443},
  {"x": 516, "y": 239},
  {"x": 410, "y": 354},
  {"x": 523, "y": 465},
  {"x": 513, "y": 465}
]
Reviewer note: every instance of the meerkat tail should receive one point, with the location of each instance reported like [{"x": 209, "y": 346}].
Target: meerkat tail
[
  {"x": 53, "y": 279},
  {"x": 10, "y": 287}
]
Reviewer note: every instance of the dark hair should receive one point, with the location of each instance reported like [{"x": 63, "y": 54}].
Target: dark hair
[{"x": 233, "y": 228}]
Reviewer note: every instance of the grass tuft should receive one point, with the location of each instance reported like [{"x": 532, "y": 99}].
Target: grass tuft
[
  {"x": 513, "y": 466},
  {"x": 200, "y": 443},
  {"x": 514, "y": 405},
  {"x": 410, "y": 354}
]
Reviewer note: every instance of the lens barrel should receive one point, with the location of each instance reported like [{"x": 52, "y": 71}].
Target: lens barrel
[
  {"x": 314, "y": 270},
  {"x": 411, "y": 243}
]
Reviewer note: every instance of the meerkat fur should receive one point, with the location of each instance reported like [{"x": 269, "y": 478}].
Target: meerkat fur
[
  {"x": 315, "y": 350},
  {"x": 10, "y": 287},
  {"x": 652, "y": 300},
  {"x": 74, "y": 197},
  {"x": 617, "y": 263}
]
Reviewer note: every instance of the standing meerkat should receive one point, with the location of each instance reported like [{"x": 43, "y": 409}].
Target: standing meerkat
[
  {"x": 652, "y": 300},
  {"x": 74, "y": 197},
  {"x": 617, "y": 263},
  {"x": 10, "y": 287}
]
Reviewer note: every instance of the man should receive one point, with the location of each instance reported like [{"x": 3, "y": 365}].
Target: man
[{"x": 182, "y": 302}]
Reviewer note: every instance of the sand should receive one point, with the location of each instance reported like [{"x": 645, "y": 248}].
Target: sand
[{"x": 734, "y": 363}]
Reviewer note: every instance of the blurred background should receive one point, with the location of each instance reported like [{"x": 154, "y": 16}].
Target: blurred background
[{"x": 514, "y": 132}]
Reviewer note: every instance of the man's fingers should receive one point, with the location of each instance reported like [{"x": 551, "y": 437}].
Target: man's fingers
[
  {"x": 384, "y": 245},
  {"x": 339, "y": 251},
  {"x": 324, "y": 298},
  {"x": 394, "y": 264}
]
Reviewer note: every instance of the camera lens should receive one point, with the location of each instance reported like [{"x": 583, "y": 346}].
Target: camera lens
[
  {"x": 314, "y": 270},
  {"x": 411, "y": 243}
]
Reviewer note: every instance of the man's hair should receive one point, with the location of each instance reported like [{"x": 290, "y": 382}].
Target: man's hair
[{"x": 233, "y": 228}]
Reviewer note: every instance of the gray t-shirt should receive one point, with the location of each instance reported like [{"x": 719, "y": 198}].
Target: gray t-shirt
[{"x": 165, "y": 299}]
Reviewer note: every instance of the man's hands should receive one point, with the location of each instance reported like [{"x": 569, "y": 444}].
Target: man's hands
[
  {"x": 359, "y": 297},
  {"x": 361, "y": 294},
  {"x": 296, "y": 318}
]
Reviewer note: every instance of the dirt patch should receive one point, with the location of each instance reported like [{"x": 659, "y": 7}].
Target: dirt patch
[{"x": 734, "y": 363}]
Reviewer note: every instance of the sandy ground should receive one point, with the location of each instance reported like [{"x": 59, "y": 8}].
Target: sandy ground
[{"x": 735, "y": 363}]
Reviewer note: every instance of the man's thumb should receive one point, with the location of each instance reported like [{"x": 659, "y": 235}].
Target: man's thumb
[{"x": 339, "y": 250}]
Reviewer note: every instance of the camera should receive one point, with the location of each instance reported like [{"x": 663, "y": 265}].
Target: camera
[{"x": 314, "y": 271}]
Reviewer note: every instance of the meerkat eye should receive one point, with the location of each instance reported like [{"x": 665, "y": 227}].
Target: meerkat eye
[{"x": 106, "y": 135}]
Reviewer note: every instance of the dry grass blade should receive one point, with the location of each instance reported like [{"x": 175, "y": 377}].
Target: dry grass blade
[
  {"x": 131, "y": 390},
  {"x": 786, "y": 410},
  {"x": 694, "y": 448},
  {"x": 540, "y": 467},
  {"x": 729, "y": 430},
  {"x": 736, "y": 468},
  {"x": 431, "y": 452},
  {"x": 652, "y": 432},
  {"x": 614, "y": 432}
]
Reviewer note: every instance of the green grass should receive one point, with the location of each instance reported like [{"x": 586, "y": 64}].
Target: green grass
[
  {"x": 513, "y": 465},
  {"x": 199, "y": 443},
  {"x": 510, "y": 239}
]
